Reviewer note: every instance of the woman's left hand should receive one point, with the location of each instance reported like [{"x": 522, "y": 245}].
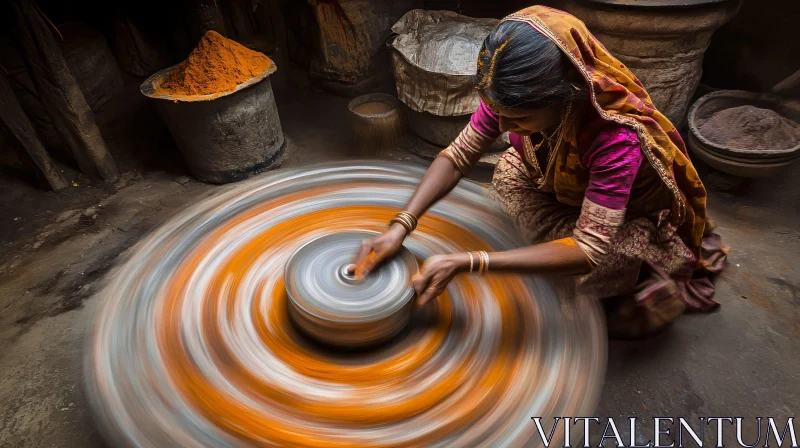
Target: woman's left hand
[{"x": 435, "y": 275}]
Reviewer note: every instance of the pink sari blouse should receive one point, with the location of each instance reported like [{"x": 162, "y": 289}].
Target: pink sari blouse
[
  {"x": 610, "y": 151},
  {"x": 612, "y": 154}
]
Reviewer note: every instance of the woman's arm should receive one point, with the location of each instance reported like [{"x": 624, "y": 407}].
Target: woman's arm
[
  {"x": 455, "y": 161},
  {"x": 439, "y": 180},
  {"x": 447, "y": 169},
  {"x": 562, "y": 256},
  {"x": 614, "y": 161}
]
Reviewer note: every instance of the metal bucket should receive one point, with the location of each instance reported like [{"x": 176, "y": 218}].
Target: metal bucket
[{"x": 223, "y": 138}]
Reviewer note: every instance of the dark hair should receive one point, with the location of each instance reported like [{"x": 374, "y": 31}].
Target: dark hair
[{"x": 520, "y": 67}]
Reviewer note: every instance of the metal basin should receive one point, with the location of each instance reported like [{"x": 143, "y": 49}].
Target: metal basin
[{"x": 756, "y": 163}]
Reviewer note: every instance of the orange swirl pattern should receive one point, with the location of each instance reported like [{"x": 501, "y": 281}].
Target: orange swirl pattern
[{"x": 193, "y": 346}]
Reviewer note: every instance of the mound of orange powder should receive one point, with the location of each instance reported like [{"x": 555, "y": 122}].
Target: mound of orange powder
[{"x": 215, "y": 67}]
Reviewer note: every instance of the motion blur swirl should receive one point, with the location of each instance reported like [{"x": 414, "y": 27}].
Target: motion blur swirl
[
  {"x": 193, "y": 346},
  {"x": 335, "y": 307}
]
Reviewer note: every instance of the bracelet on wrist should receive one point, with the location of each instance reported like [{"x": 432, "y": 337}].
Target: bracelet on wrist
[
  {"x": 405, "y": 219},
  {"x": 483, "y": 261}
]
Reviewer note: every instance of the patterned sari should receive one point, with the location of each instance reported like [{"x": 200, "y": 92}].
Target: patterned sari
[{"x": 618, "y": 180}]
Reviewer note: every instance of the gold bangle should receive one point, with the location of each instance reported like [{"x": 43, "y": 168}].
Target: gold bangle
[
  {"x": 480, "y": 263},
  {"x": 406, "y": 219},
  {"x": 483, "y": 261},
  {"x": 402, "y": 222},
  {"x": 411, "y": 218},
  {"x": 485, "y": 256},
  {"x": 471, "y": 261}
]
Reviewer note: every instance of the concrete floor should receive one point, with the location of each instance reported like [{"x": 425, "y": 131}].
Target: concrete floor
[{"x": 741, "y": 361}]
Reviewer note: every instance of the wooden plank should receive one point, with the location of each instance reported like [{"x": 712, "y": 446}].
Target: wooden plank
[
  {"x": 21, "y": 128},
  {"x": 60, "y": 93}
]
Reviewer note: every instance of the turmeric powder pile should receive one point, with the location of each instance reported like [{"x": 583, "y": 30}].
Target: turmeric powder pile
[{"x": 215, "y": 67}]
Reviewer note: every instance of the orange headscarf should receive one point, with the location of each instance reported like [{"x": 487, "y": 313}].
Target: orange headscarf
[{"x": 619, "y": 96}]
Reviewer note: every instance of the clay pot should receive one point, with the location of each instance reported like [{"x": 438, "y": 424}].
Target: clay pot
[{"x": 661, "y": 41}]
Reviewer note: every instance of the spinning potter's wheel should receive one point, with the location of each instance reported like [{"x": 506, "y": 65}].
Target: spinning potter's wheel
[
  {"x": 329, "y": 304},
  {"x": 200, "y": 340}
]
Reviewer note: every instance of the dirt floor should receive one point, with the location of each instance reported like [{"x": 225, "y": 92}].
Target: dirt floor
[{"x": 741, "y": 361}]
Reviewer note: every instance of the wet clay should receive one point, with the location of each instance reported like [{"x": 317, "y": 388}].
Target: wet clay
[
  {"x": 372, "y": 108},
  {"x": 215, "y": 67},
  {"x": 751, "y": 128},
  {"x": 367, "y": 265}
]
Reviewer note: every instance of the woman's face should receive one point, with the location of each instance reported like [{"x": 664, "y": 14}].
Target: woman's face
[{"x": 522, "y": 121}]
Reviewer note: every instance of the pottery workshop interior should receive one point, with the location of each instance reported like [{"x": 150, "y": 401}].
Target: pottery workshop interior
[{"x": 408, "y": 223}]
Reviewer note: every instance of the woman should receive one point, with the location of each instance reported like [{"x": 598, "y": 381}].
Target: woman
[{"x": 597, "y": 180}]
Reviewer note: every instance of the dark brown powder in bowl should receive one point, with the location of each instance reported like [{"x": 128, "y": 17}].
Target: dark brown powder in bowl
[{"x": 751, "y": 128}]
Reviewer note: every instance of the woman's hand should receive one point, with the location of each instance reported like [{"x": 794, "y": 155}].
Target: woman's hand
[
  {"x": 440, "y": 178},
  {"x": 435, "y": 275},
  {"x": 377, "y": 249}
]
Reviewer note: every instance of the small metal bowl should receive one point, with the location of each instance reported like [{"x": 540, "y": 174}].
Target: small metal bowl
[{"x": 333, "y": 307}]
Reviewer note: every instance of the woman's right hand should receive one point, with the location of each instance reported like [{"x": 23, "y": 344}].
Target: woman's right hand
[
  {"x": 440, "y": 178},
  {"x": 377, "y": 249}
]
